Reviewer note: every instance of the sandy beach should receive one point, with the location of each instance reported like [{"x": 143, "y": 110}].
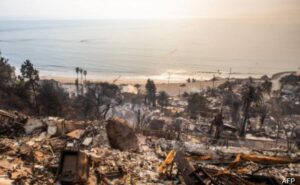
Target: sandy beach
[
  {"x": 172, "y": 88},
  {"x": 175, "y": 89}
]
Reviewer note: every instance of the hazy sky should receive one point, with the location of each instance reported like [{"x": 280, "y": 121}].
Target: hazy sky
[{"x": 85, "y": 9}]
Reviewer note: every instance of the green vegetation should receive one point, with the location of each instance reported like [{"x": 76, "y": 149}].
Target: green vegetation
[
  {"x": 31, "y": 76},
  {"x": 29, "y": 94},
  {"x": 267, "y": 87},
  {"x": 163, "y": 99},
  {"x": 54, "y": 100},
  {"x": 196, "y": 104},
  {"x": 150, "y": 93},
  {"x": 98, "y": 100}
]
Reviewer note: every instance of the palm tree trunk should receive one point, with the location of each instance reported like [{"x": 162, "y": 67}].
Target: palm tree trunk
[
  {"x": 76, "y": 84},
  {"x": 81, "y": 84}
]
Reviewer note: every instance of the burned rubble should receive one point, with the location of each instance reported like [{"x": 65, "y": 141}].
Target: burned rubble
[
  {"x": 58, "y": 151},
  {"x": 48, "y": 156},
  {"x": 231, "y": 135}
]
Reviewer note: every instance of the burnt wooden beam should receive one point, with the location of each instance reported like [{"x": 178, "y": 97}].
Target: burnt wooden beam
[
  {"x": 202, "y": 170},
  {"x": 187, "y": 171}
]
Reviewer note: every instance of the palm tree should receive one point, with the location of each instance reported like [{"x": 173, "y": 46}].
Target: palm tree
[
  {"x": 85, "y": 73},
  {"x": 81, "y": 81},
  {"x": 76, "y": 81},
  {"x": 77, "y": 71},
  {"x": 213, "y": 81},
  {"x": 250, "y": 94},
  {"x": 81, "y": 71}
]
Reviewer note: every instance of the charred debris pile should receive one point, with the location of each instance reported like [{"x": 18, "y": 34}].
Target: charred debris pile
[{"x": 57, "y": 151}]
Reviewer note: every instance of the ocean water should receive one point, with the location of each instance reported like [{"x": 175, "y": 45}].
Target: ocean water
[{"x": 158, "y": 49}]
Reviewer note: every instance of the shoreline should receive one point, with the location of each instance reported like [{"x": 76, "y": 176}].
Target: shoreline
[
  {"x": 142, "y": 80},
  {"x": 134, "y": 80},
  {"x": 173, "y": 88}
]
